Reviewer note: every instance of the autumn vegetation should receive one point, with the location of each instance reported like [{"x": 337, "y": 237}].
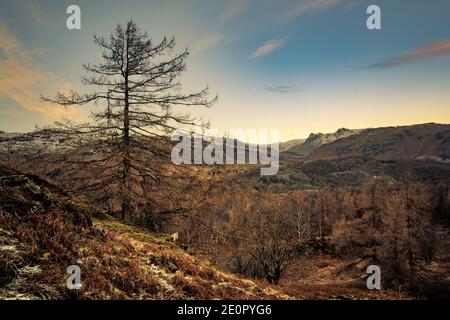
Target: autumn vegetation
[{"x": 108, "y": 197}]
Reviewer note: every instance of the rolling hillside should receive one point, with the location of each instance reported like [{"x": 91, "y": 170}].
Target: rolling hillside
[
  {"x": 303, "y": 149},
  {"x": 43, "y": 231},
  {"x": 421, "y": 141}
]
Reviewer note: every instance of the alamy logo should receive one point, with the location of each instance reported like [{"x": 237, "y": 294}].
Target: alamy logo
[
  {"x": 73, "y": 22},
  {"x": 374, "y": 280},
  {"x": 73, "y": 282},
  {"x": 374, "y": 20},
  {"x": 211, "y": 148}
]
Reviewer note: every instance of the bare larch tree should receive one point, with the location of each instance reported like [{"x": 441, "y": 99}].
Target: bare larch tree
[{"x": 136, "y": 87}]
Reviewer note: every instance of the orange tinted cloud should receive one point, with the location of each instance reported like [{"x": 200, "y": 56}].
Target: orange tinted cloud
[
  {"x": 427, "y": 52},
  {"x": 22, "y": 81},
  {"x": 267, "y": 48}
]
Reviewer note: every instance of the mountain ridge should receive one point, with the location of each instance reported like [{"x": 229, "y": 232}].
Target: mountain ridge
[{"x": 429, "y": 140}]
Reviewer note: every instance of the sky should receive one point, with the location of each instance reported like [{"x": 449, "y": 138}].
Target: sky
[{"x": 299, "y": 66}]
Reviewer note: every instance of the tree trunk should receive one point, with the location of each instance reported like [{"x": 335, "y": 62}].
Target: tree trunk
[{"x": 126, "y": 202}]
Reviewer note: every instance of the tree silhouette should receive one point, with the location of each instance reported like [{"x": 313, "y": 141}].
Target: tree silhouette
[{"x": 137, "y": 88}]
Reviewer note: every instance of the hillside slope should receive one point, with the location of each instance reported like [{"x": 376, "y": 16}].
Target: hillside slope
[
  {"x": 407, "y": 142},
  {"x": 316, "y": 140},
  {"x": 43, "y": 231}
]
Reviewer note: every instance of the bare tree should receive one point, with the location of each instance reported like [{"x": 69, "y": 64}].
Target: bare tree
[
  {"x": 137, "y": 86},
  {"x": 274, "y": 235}
]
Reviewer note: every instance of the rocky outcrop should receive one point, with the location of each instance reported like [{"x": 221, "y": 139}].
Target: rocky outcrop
[{"x": 316, "y": 140}]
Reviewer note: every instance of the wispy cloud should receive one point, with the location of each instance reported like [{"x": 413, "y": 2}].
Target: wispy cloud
[
  {"x": 208, "y": 41},
  {"x": 311, "y": 5},
  {"x": 31, "y": 10},
  {"x": 21, "y": 78},
  {"x": 429, "y": 51},
  {"x": 234, "y": 8},
  {"x": 268, "y": 47},
  {"x": 283, "y": 89}
]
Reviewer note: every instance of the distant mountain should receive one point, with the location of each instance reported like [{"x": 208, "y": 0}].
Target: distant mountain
[
  {"x": 315, "y": 140},
  {"x": 431, "y": 141},
  {"x": 284, "y": 146}
]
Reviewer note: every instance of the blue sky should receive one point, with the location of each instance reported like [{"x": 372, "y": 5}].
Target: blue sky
[{"x": 297, "y": 65}]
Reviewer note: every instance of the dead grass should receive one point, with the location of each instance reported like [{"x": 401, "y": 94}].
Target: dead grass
[
  {"x": 322, "y": 276},
  {"x": 44, "y": 231},
  {"x": 41, "y": 238}
]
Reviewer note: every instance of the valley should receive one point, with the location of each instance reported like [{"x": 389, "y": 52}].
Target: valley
[{"x": 328, "y": 190}]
